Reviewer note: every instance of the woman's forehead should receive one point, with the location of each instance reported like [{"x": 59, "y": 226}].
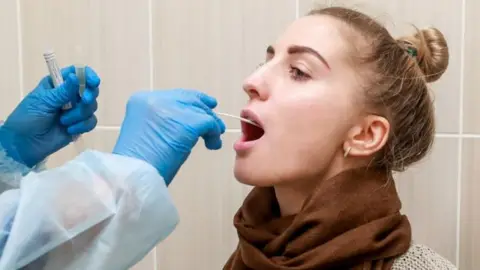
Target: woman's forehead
[
  {"x": 317, "y": 31},
  {"x": 324, "y": 34}
]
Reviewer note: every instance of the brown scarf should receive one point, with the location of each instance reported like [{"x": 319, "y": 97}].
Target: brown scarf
[{"x": 351, "y": 221}]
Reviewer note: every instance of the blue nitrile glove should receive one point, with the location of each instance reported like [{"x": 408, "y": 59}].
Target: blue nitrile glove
[
  {"x": 39, "y": 127},
  {"x": 162, "y": 127}
]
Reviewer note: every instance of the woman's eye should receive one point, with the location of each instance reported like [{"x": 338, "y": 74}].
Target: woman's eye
[{"x": 297, "y": 74}]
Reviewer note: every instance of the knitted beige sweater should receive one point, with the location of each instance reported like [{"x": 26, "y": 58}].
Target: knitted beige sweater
[{"x": 420, "y": 257}]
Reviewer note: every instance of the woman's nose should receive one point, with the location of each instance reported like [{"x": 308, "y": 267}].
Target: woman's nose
[
  {"x": 252, "y": 92},
  {"x": 256, "y": 86}
]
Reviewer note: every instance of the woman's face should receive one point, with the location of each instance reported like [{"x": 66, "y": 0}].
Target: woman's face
[{"x": 304, "y": 96}]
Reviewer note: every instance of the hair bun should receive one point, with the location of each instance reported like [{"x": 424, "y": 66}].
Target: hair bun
[{"x": 431, "y": 52}]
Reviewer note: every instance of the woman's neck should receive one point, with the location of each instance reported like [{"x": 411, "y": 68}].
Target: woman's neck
[
  {"x": 292, "y": 196},
  {"x": 290, "y": 200}
]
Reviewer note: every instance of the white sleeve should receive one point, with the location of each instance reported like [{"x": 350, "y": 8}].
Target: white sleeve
[{"x": 99, "y": 211}]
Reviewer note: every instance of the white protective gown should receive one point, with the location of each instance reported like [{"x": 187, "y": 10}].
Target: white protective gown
[{"x": 98, "y": 212}]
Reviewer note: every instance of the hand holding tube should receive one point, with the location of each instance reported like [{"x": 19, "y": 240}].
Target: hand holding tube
[{"x": 39, "y": 127}]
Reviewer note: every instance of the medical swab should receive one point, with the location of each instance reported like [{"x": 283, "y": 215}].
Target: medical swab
[{"x": 239, "y": 118}]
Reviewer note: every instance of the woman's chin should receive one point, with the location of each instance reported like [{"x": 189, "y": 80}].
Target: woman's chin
[
  {"x": 245, "y": 175},
  {"x": 250, "y": 176},
  {"x": 242, "y": 175}
]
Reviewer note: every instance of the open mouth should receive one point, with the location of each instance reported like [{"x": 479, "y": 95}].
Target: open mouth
[{"x": 251, "y": 132}]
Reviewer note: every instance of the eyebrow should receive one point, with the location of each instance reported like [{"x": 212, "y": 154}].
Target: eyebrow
[{"x": 300, "y": 50}]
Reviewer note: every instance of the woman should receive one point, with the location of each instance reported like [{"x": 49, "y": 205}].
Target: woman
[{"x": 341, "y": 105}]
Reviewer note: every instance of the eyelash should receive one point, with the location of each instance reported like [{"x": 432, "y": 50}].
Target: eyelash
[
  {"x": 298, "y": 74},
  {"x": 295, "y": 72}
]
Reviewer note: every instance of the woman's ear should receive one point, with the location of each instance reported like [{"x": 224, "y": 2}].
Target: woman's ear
[{"x": 368, "y": 137}]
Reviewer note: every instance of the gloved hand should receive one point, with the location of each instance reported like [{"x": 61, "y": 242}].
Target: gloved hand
[
  {"x": 39, "y": 127},
  {"x": 162, "y": 127}
]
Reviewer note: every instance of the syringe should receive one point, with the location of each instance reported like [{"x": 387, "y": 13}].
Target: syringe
[{"x": 54, "y": 71}]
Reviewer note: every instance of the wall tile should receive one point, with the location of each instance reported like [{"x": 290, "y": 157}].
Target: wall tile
[
  {"x": 429, "y": 196},
  {"x": 111, "y": 36},
  {"x": 101, "y": 140},
  {"x": 9, "y": 70},
  {"x": 471, "y": 110},
  {"x": 398, "y": 17},
  {"x": 306, "y": 5},
  {"x": 207, "y": 197},
  {"x": 147, "y": 263},
  {"x": 212, "y": 45},
  {"x": 470, "y": 205}
]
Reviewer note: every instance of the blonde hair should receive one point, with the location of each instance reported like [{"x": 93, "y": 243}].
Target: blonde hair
[{"x": 398, "y": 71}]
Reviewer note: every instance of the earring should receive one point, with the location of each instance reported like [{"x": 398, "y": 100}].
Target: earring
[{"x": 347, "y": 151}]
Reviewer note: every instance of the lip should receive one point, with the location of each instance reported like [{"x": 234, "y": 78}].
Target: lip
[
  {"x": 241, "y": 146},
  {"x": 251, "y": 115}
]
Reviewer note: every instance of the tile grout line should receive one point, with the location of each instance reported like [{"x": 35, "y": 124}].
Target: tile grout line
[
  {"x": 117, "y": 128},
  {"x": 150, "y": 84},
  {"x": 437, "y": 135},
  {"x": 453, "y": 135},
  {"x": 460, "y": 140},
  {"x": 107, "y": 128},
  {"x": 20, "y": 48},
  {"x": 297, "y": 9},
  {"x": 150, "y": 45}
]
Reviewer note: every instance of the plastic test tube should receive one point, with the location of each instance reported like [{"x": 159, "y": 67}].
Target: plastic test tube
[
  {"x": 57, "y": 78},
  {"x": 54, "y": 71},
  {"x": 80, "y": 72}
]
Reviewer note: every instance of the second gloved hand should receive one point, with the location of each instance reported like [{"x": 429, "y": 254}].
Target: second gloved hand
[
  {"x": 162, "y": 127},
  {"x": 39, "y": 127}
]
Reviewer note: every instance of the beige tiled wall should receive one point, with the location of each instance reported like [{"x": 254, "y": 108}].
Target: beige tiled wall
[
  {"x": 429, "y": 195},
  {"x": 112, "y": 36},
  {"x": 470, "y": 205},
  {"x": 9, "y": 70},
  {"x": 211, "y": 45}
]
